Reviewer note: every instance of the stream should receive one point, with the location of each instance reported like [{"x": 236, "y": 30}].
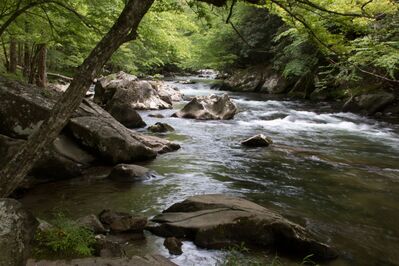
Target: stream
[{"x": 335, "y": 173}]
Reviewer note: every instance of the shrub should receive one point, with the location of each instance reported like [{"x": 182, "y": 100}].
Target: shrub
[{"x": 64, "y": 240}]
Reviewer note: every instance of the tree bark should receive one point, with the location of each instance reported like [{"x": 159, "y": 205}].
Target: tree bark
[
  {"x": 33, "y": 64},
  {"x": 26, "y": 59},
  {"x": 7, "y": 62},
  {"x": 12, "y": 67},
  {"x": 41, "y": 76},
  {"x": 13, "y": 173},
  {"x": 20, "y": 60}
]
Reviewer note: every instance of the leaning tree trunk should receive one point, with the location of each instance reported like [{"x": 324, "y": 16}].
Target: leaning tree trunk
[
  {"x": 12, "y": 67},
  {"x": 41, "y": 76},
  {"x": 122, "y": 31}
]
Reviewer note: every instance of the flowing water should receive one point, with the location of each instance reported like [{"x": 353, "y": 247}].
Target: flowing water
[{"x": 335, "y": 173}]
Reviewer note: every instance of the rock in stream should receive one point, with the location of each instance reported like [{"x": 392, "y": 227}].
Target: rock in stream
[{"x": 219, "y": 221}]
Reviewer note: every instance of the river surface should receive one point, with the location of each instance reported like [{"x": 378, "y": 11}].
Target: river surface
[{"x": 335, "y": 173}]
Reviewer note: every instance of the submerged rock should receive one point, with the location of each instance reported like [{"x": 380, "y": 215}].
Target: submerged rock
[
  {"x": 173, "y": 245},
  {"x": 160, "y": 128},
  {"x": 17, "y": 228},
  {"x": 119, "y": 222},
  {"x": 156, "y": 115},
  {"x": 128, "y": 172},
  {"x": 211, "y": 107},
  {"x": 257, "y": 141},
  {"x": 218, "y": 221}
]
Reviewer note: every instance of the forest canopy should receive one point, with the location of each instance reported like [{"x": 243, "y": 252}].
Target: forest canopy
[{"x": 351, "y": 37}]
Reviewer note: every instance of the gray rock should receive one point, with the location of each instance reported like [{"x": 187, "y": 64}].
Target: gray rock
[
  {"x": 119, "y": 222},
  {"x": 91, "y": 125},
  {"x": 160, "y": 128},
  {"x": 122, "y": 89},
  {"x": 274, "y": 84},
  {"x": 17, "y": 228},
  {"x": 166, "y": 92},
  {"x": 129, "y": 172},
  {"x": 211, "y": 107},
  {"x": 44, "y": 226},
  {"x": 108, "y": 248},
  {"x": 111, "y": 140},
  {"x": 92, "y": 223},
  {"x": 173, "y": 245},
  {"x": 106, "y": 86},
  {"x": 257, "y": 79},
  {"x": 257, "y": 141},
  {"x": 369, "y": 103},
  {"x": 127, "y": 116},
  {"x": 217, "y": 221},
  {"x": 64, "y": 158}
]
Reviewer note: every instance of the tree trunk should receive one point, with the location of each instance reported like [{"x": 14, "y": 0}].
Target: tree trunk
[
  {"x": 20, "y": 60},
  {"x": 26, "y": 59},
  {"x": 33, "y": 64},
  {"x": 12, "y": 67},
  {"x": 41, "y": 77},
  {"x": 13, "y": 173},
  {"x": 6, "y": 63}
]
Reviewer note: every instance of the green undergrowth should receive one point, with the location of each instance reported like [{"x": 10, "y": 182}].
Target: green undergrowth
[
  {"x": 64, "y": 239},
  {"x": 240, "y": 255}
]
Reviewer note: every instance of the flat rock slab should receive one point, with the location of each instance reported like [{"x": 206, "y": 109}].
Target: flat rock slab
[
  {"x": 218, "y": 221},
  {"x": 149, "y": 260}
]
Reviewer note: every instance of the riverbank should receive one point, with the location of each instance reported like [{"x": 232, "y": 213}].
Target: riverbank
[{"x": 368, "y": 96}]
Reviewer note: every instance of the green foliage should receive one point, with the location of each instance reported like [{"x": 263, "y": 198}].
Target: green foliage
[
  {"x": 64, "y": 240},
  {"x": 239, "y": 255},
  {"x": 236, "y": 257}
]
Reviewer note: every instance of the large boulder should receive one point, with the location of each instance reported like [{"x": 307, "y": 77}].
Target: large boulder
[
  {"x": 127, "y": 116},
  {"x": 122, "y": 89},
  {"x": 64, "y": 158},
  {"x": 111, "y": 140},
  {"x": 218, "y": 221},
  {"x": 17, "y": 228},
  {"x": 257, "y": 79},
  {"x": 140, "y": 95},
  {"x": 106, "y": 86},
  {"x": 167, "y": 92},
  {"x": 213, "y": 107},
  {"x": 92, "y": 127}
]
